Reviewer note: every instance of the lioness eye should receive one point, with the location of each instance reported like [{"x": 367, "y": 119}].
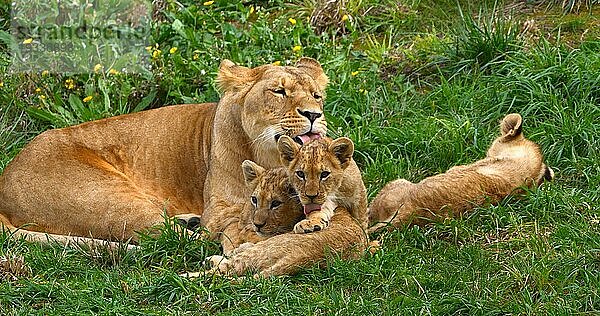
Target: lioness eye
[
  {"x": 317, "y": 96},
  {"x": 253, "y": 200},
  {"x": 280, "y": 91},
  {"x": 325, "y": 174},
  {"x": 300, "y": 174},
  {"x": 275, "y": 204}
]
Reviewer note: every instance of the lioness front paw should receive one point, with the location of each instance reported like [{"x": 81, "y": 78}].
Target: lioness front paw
[{"x": 310, "y": 225}]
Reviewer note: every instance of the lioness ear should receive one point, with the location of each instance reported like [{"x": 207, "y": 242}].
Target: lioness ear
[
  {"x": 251, "y": 172},
  {"x": 343, "y": 149},
  {"x": 287, "y": 149},
  {"x": 233, "y": 77},
  {"x": 313, "y": 69},
  {"x": 511, "y": 125}
]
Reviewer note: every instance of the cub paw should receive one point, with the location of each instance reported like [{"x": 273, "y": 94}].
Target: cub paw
[
  {"x": 217, "y": 264},
  {"x": 310, "y": 225}
]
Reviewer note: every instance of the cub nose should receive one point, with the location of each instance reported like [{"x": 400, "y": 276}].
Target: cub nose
[
  {"x": 312, "y": 116},
  {"x": 258, "y": 226}
]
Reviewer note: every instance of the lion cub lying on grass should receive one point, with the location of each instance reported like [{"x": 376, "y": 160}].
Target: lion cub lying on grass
[
  {"x": 325, "y": 176},
  {"x": 275, "y": 209},
  {"x": 511, "y": 162}
]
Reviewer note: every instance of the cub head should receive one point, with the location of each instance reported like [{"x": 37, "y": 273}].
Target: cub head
[
  {"x": 275, "y": 204},
  {"x": 276, "y": 101},
  {"x": 315, "y": 169}
]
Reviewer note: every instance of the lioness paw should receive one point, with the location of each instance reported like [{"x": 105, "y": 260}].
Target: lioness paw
[{"x": 310, "y": 225}]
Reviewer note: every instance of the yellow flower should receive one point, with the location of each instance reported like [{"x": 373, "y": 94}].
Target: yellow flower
[
  {"x": 277, "y": 63},
  {"x": 28, "y": 41},
  {"x": 293, "y": 21},
  {"x": 354, "y": 73},
  {"x": 45, "y": 73},
  {"x": 207, "y": 3},
  {"x": 148, "y": 48},
  {"x": 113, "y": 71},
  {"x": 344, "y": 17},
  {"x": 1, "y": 84},
  {"x": 70, "y": 84},
  {"x": 196, "y": 56},
  {"x": 251, "y": 10},
  {"x": 97, "y": 68},
  {"x": 297, "y": 48},
  {"x": 42, "y": 97},
  {"x": 173, "y": 50},
  {"x": 156, "y": 53},
  {"x": 38, "y": 90},
  {"x": 88, "y": 98}
]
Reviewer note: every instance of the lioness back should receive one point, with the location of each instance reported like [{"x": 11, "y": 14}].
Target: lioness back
[
  {"x": 325, "y": 176},
  {"x": 512, "y": 161}
]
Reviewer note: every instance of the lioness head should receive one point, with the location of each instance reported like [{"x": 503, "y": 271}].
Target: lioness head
[
  {"x": 315, "y": 169},
  {"x": 277, "y": 101},
  {"x": 276, "y": 208}
]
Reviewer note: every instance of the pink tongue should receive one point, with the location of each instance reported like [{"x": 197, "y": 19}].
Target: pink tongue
[
  {"x": 309, "y": 208},
  {"x": 308, "y": 136}
]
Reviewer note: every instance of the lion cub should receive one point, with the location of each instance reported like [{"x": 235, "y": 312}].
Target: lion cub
[
  {"x": 273, "y": 208},
  {"x": 325, "y": 176},
  {"x": 512, "y": 161}
]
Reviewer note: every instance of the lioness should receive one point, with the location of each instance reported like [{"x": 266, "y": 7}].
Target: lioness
[
  {"x": 325, "y": 177},
  {"x": 273, "y": 207},
  {"x": 111, "y": 178},
  {"x": 512, "y": 161}
]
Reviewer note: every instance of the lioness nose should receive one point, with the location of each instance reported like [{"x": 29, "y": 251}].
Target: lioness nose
[
  {"x": 312, "y": 116},
  {"x": 259, "y": 226},
  {"x": 312, "y": 197}
]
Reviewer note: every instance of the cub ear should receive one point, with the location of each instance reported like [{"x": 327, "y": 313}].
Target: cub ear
[
  {"x": 343, "y": 149},
  {"x": 511, "y": 125},
  {"x": 251, "y": 172},
  {"x": 287, "y": 149},
  {"x": 313, "y": 69},
  {"x": 234, "y": 77}
]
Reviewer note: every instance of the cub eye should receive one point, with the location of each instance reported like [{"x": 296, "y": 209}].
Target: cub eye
[
  {"x": 300, "y": 174},
  {"x": 280, "y": 91},
  {"x": 254, "y": 200},
  {"x": 325, "y": 175},
  {"x": 275, "y": 204},
  {"x": 317, "y": 96}
]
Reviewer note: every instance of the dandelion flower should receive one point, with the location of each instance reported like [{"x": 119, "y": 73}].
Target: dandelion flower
[
  {"x": 70, "y": 84},
  {"x": 354, "y": 73},
  {"x": 277, "y": 63},
  {"x": 113, "y": 71},
  {"x": 207, "y": 3},
  {"x": 42, "y": 97},
  {"x": 88, "y": 98},
  {"x": 156, "y": 53},
  {"x": 196, "y": 56},
  {"x": 1, "y": 84},
  {"x": 28, "y": 41},
  {"x": 97, "y": 68},
  {"x": 173, "y": 50},
  {"x": 344, "y": 17},
  {"x": 251, "y": 10},
  {"x": 297, "y": 48},
  {"x": 45, "y": 73},
  {"x": 38, "y": 90},
  {"x": 293, "y": 21},
  {"x": 148, "y": 48}
]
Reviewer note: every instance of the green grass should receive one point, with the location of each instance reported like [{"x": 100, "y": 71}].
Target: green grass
[{"x": 419, "y": 86}]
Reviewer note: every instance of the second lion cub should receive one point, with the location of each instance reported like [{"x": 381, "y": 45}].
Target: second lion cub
[
  {"x": 325, "y": 176},
  {"x": 512, "y": 161}
]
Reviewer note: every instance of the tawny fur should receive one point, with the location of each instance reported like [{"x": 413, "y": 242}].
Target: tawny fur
[
  {"x": 111, "y": 178},
  {"x": 512, "y": 162},
  {"x": 273, "y": 207},
  {"x": 344, "y": 238},
  {"x": 342, "y": 185}
]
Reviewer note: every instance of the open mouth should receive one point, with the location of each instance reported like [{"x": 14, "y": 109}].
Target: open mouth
[
  {"x": 309, "y": 208},
  {"x": 305, "y": 138}
]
